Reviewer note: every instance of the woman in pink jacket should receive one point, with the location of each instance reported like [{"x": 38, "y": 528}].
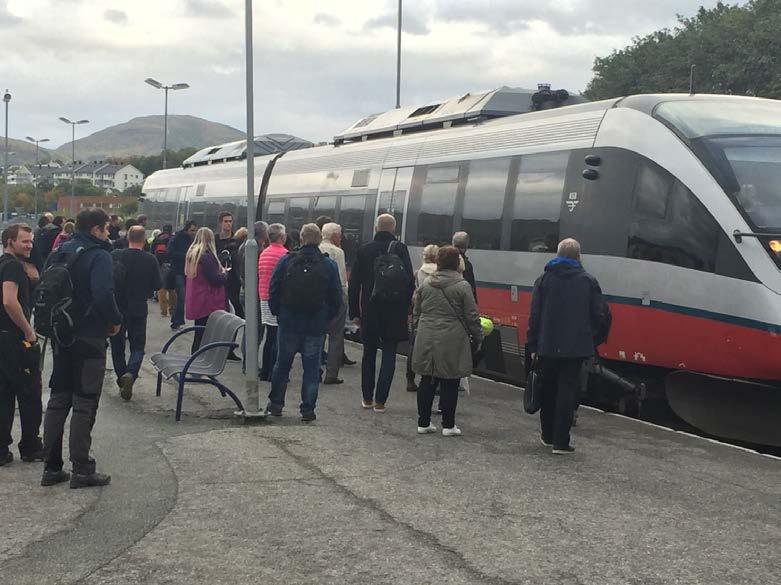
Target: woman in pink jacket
[
  {"x": 266, "y": 264},
  {"x": 205, "y": 289}
]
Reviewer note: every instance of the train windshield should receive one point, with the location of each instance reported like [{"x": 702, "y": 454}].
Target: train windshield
[{"x": 740, "y": 143}]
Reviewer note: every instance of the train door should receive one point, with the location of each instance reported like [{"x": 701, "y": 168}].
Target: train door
[
  {"x": 180, "y": 211},
  {"x": 393, "y": 195}
]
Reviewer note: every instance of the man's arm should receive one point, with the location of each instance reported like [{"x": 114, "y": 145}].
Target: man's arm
[
  {"x": 334, "y": 300},
  {"x": 14, "y": 309},
  {"x": 156, "y": 280},
  {"x": 276, "y": 285},
  {"x": 101, "y": 277},
  {"x": 532, "y": 334}
]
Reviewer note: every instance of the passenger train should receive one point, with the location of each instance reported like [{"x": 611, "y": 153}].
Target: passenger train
[{"x": 675, "y": 199}]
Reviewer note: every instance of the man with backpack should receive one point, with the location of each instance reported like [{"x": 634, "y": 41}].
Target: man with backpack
[
  {"x": 166, "y": 296},
  {"x": 306, "y": 296},
  {"x": 78, "y": 282},
  {"x": 20, "y": 378},
  {"x": 177, "y": 252},
  {"x": 381, "y": 287},
  {"x": 47, "y": 235},
  {"x": 142, "y": 278}
]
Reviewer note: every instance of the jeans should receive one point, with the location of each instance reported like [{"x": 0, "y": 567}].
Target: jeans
[
  {"x": 269, "y": 353},
  {"x": 177, "y": 316},
  {"x": 134, "y": 331},
  {"x": 76, "y": 383},
  {"x": 30, "y": 413},
  {"x": 369, "y": 368},
  {"x": 448, "y": 400},
  {"x": 561, "y": 383},
  {"x": 288, "y": 345}
]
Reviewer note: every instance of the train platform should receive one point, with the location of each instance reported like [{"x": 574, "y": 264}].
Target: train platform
[{"x": 359, "y": 498}]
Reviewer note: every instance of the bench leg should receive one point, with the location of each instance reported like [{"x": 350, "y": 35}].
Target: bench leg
[
  {"x": 224, "y": 390},
  {"x": 159, "y": 383},
  {"x": 179, "y": 398}
]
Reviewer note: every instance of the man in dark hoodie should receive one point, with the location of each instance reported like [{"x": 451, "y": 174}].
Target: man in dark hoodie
[
  {"x": 177, "y": 252},
  {"x": 47, "y": 235},
  {"x": 563, "y": 322},
  {"x": 78, "y": 370}
]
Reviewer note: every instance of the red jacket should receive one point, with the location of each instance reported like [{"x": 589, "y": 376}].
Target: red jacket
[{"x": 266, "y": 263}]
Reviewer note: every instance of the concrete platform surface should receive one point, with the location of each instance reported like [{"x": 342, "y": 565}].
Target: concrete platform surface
[{"x": 359, "y": 497}]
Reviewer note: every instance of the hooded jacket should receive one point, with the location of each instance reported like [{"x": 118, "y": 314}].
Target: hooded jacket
[
  {"x": 565, "y": 310},
  {"x": 442, "y": 346}
]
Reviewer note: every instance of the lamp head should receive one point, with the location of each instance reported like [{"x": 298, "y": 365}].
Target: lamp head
[
  {"x": 180, "y": 86},
  {"x": 83, "y": 122},
  {"x": 31, "y": 139},
  {"x": 6, "y": 96},
  {"x": 65, "y": 120},
  {"x": 154, "y": 83}
]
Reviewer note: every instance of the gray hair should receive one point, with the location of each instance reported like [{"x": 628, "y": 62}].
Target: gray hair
[
  {"x": 330, "y": 229},
  {"x": 311, "y": 235},
  {"x": 569, "y": 248},
  {"x": 430, "y": 253},
  {"x": 261, "y": 230},
  {"x": 385, "y": 223},
  {"x": 276, "y": 232},
  {"x": 461, "y": 240}
]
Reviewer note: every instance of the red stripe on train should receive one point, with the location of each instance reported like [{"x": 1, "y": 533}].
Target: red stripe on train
[{"x": 655, "y": 337}]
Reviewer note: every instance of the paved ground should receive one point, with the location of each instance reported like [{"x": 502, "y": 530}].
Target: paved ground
[{"x": 358, "y": 497}]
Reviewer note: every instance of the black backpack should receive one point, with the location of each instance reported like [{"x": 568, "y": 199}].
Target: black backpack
[
  {"x": 120, "y": 277},
  {"x": 391, "y": 281},
  {"x": 53, "y": 310},
  {"x": 305, "y": 283}
]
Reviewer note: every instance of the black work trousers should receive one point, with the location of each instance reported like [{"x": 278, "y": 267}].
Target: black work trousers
[
  {"x": 134, "y": 332},
  {"x": 448, "y": 400},
  {"x": 76, "y": 383},
  {"x": 269, "y": 353},
  {"x": 375, "y": 386},
  {"x": 28, "y": 397},
  {"x": 561, "y": 383}
]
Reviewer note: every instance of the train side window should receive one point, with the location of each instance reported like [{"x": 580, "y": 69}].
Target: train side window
[
  {"x": 275, "y": 212},
  {"x": 484, "y": 202},
  {"x": 537, "y": 202},
  {"x": 438, "y": 205},
  {"x": 325, "y": 206},
  {"x": 351, "y": 216},
  {"x": 297, "y": 212},
  {"x": 686, "y": 235}
]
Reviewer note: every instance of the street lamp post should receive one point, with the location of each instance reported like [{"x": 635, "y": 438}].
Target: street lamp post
[
  {"x": 398, "y": 60},
  {"x": 37, "y": 164},
  {"x": 6, "y": 99},
  {"x": 176, "y": 86},
  {"x": 73, "y": 157}
]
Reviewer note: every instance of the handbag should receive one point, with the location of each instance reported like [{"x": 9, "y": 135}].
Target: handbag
[
  {"x": 532, "y": 395},
  {"x": 474, "y": 345}
]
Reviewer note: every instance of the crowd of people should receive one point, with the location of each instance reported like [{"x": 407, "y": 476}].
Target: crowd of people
[{"x": 91, "y": 282}]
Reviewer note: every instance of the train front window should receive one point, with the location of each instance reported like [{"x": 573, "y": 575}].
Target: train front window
[
  {"x": 699, "y": 118},
  {"x": 757, "y": 170}
]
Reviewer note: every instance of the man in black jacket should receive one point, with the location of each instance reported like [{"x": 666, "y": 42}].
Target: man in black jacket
[
  {"x": 383, "y": 323},
  {"x": 565, "y": 312},
  {"x": 177, "y": 253},
  {"x": 461, "y": 243}
]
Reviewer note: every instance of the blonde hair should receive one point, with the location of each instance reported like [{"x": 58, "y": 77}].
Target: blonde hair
[
  {"x": 430, "y": 253},
  {"x": 569, "y": 248},
  {"x": 69, "y": 227},
  {"x": 203, "y": 242},
  {"x": 461, "y": 265},
  {"x": 241, "y": 235}
]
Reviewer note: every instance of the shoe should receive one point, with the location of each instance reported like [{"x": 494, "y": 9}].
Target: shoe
[
  {"x": 411, "y": 386},
  {"x": 177, "y": 327},
  {"x": 426, "y": 430},
  {"x": 51, "y": 478},
  {"x": 379, "y": 407},
  {"x": 125, "y": 383},
  {"x": 273, "y": 410},
  {"x": 454, "y": 432},
  {"x": 347, "y": 361},
  {"x": 367, "y": 405},
  {"x": 33, "y": 456},
  {"x": 232, "y": 357},
  {"x": 7, "y": 458},
  {"x": 79, "y": 480},
  {"x": 436, "y": 410},
  {"x": 164, "y": 314},
  {"x": 568, "y": 450},
  {"x": 544, "y": 442},
  {"x": 333, "y": 380},
  {"x": 309, "y": 417}
]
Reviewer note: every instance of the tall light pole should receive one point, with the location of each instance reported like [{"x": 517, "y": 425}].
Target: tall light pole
[
  {"x": 37, "y": 164},
  {"x": 73, "y": 157},
  {"x": 176, "y": 86},
  {"x": 398, "y": 60},
  {"x": 6, "y": 99}
]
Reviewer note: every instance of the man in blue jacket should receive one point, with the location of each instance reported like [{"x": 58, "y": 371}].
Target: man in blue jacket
[
  {"x": 177, "y": 253},
  {"x": 305, "y": 294},
  {"x": 563, "y": 324},
  {"x": 79, "y": 369}
]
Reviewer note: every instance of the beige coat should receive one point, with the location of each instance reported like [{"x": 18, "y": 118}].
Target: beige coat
[{"x": 442, "y": 347}]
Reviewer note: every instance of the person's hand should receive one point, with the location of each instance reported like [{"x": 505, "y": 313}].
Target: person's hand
[
  {"x": 534, "y": 356},
  {"x": 113, "y": 330},
  {"x": 30, "y": 336},
  {"x": 357, "y": 321}
]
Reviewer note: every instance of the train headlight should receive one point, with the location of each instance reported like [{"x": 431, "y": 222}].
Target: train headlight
[{"x": 775, "y": 246}]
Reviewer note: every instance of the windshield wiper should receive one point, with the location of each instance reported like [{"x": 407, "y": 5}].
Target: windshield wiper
[{"x": 739, "y": 235}]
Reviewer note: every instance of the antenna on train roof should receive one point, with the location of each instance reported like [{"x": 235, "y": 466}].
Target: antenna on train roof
[{"x": 691, "y": 79}]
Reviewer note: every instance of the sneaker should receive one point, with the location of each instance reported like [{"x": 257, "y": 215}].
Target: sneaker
[
  {"x": 544, "y": 442},
  {"x": 333, "y": 380},
  {"x": 347, "y": 361},
  {"x": 6, "y": 458},
  {"x": 411, "y": 386},
  {"x": 83, "y": 480},
  {"x": 367, "y": 405},
  {"x": 177, "y": 327},
  {"x": 33, "y": 456},
  {"x": 309, "y": 417},
  {"x": 164, "y": 314},
  {"x": 426, "y": 430},
  {"x": 379, "y": 407},
  {"x": 454, "y": 432},
  {"x": 125, "y": 383},
  {"x": 232, "y": 357},
  {"x": 273, "y": 410},
  {"x": 568, "y": 450},
  {"x": 51, "y": 478}
]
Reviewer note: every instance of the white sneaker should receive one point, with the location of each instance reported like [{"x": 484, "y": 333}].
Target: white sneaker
[
  {"x": 426, "y": 430},
  {"x": 454, "y": 432}
]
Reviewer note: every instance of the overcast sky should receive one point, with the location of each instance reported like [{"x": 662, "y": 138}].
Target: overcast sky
[{"x": 319, "y": 65}]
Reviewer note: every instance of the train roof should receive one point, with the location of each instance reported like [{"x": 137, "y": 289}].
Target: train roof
[{"x": 265, "y": 144}]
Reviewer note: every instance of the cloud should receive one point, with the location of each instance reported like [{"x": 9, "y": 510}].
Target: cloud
[
  {"x": 326, "y": 19},
  {"x": 207, "y": 9},
  {"x": 6, "y": 18},
  {"x": 115, "y": 16},
  {"x": 410, "y": 23}
]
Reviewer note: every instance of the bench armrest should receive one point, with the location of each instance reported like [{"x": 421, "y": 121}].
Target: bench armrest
[
  {"x": 205, "y": 348},
  {"x": 180, "y": 333}
]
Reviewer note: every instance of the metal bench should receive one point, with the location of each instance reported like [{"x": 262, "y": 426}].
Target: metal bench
[{"x": 208, "y": 362}]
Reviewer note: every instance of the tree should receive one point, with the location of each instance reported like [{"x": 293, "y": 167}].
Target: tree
[
  {"x": 133, "y": 190},
  {"x": 734, "y": 48}
]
